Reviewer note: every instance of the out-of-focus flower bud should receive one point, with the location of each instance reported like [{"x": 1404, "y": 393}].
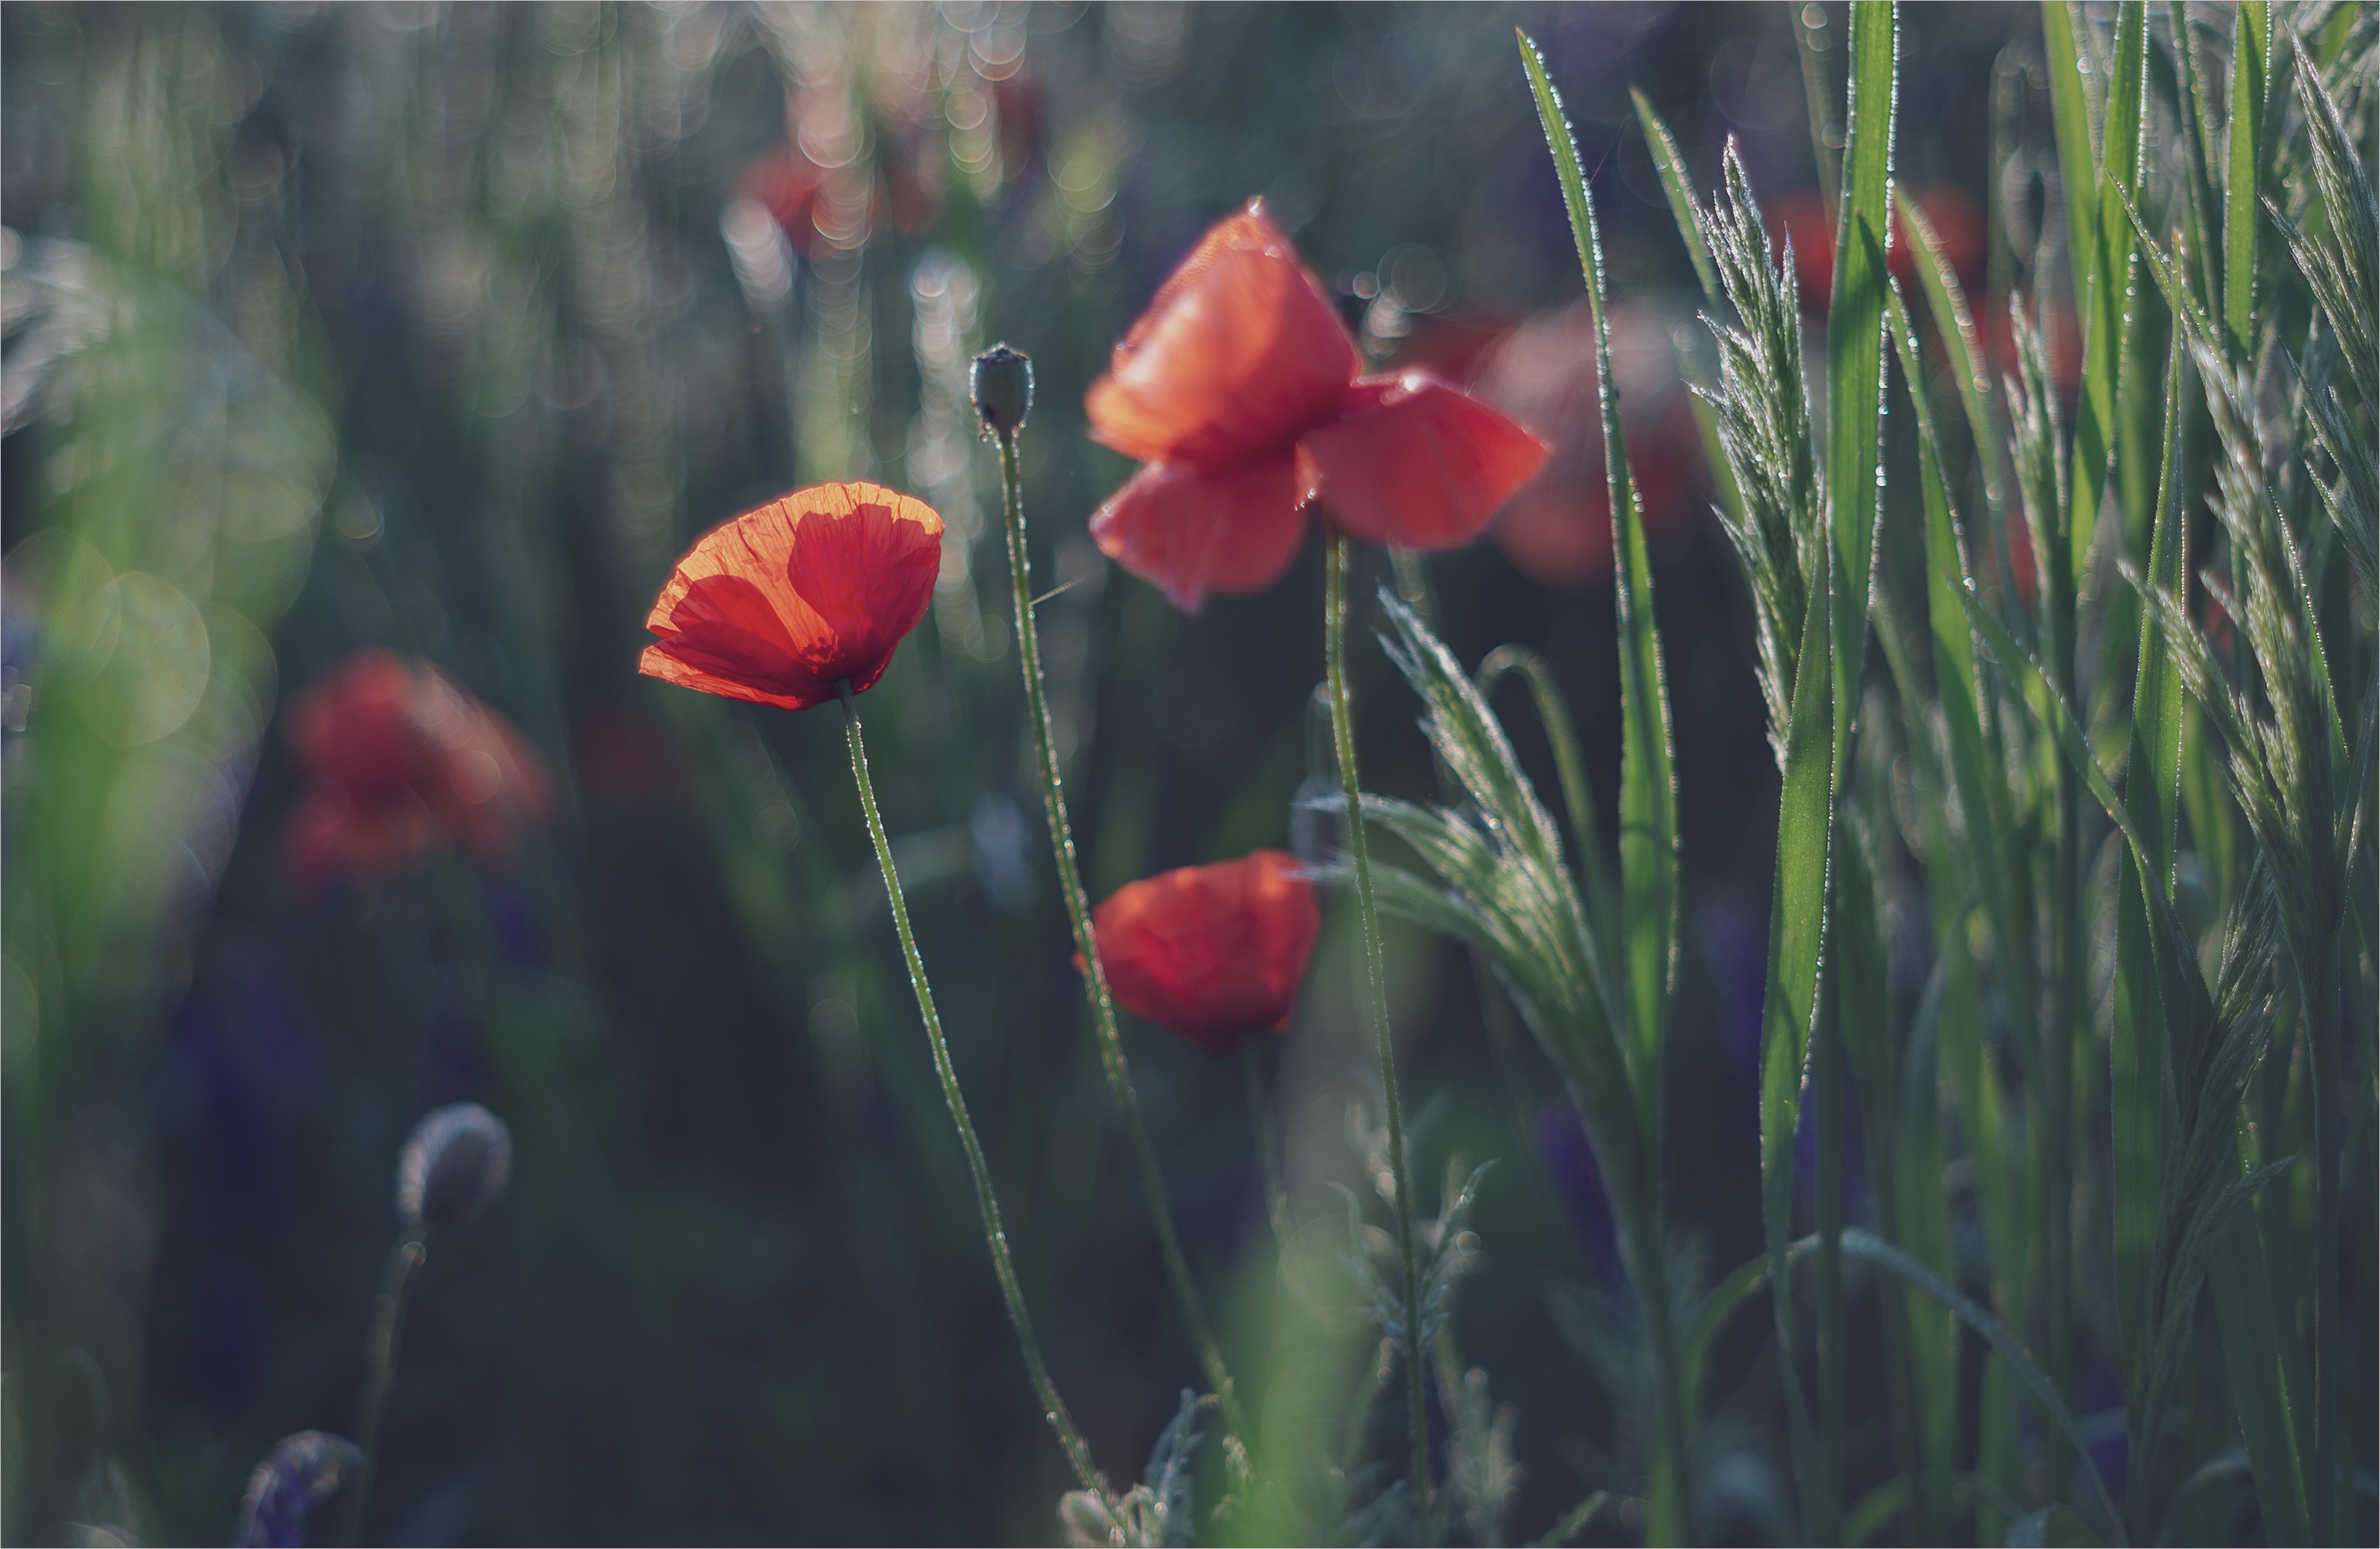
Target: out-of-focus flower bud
[
  {"x": 1086, "y": 1519},
  {"x": 1004, "y": 389},
  {"x": 298, "y": 1474},
  {"x": 455, "y": 1166}
]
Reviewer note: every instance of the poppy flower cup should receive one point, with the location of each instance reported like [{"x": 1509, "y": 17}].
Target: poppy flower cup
[
  {"x": 1239, "y": 390},
  {"x": 1212, "y": 953},
  {"x": 783, "y": 604}
]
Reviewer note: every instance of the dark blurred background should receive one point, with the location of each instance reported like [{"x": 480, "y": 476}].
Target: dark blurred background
[{"x": 445, "y": 330}]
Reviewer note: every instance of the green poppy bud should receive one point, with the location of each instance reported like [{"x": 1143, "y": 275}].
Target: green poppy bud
[{"x": 1004, "y": 389}]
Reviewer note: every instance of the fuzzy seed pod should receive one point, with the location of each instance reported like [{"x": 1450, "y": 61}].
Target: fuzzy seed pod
[
  {"x": 454, "y": 1165},
  {"x": 1004, "y": 389},
  {"x": 298, "y": 1474}
]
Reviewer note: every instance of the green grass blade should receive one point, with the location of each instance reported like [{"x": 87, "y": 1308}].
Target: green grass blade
[
  {"x": 1648, "y": 790},
  {"x": 2152, "y": 786},
  {"x": 1797, "y": 931},
  {"x": 1948, "y": 304},
  {"x": 2244, "y": 1319},
  {"x": 1862, "y": 1244},
  {"x": 2077, "y": 161},
  {"x": 1679, "y": 187},
  {"x": 2250, "y": 45},
  {"x": 1855, "y": 348}
]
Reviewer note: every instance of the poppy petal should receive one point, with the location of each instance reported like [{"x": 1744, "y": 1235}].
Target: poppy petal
[
  {"x": 1232, "y": 529},
  {"x": 1415, "y": 462},
  {"x": 1240, "y": 353},
  {"x": 1211, "y": 953},
  {"x": 783, "y": 602}
]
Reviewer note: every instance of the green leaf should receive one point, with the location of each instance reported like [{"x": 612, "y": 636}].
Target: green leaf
[
  {"x": 2245, "y": 1319},
  {"x": 1679, "y": 187},
  {"x": 2251, "y": 46},
  {"x": 1570, "y": 769},
  {"x": 2071, "y": 119},
  {"x": 1955, "y": 325},
  {"x": 1648, "y": 790},
  {"x": 2153, "y": 782},
  {"x": 1859, "y": 1243},
  {"x": 1855, "y": 349}
]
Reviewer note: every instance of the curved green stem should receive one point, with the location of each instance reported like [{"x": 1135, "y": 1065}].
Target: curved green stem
[
  {"x": 1053, "y": 1408},
  {"x": 1095, "y": 973},
  {"x": 1343, "y": 735},
  {"x": 387, "y": 1332}
]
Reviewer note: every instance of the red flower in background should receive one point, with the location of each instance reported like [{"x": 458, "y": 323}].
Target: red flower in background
[
  {"x": 1802, "y": 218},
  {"x": 1557, "y": 527},
  {"x": 1211, "y": 953},
  {"x": 398, "y": 759},
  {"x": 1239, "y": 389},
  {"x": 782, "y": 604}
]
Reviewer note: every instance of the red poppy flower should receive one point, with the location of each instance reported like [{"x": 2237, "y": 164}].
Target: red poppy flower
[
  {"x": 1211, "y": 953},
  {"x": 784, "y": 602},
  {"x": 1557, "y": 527},
  {"x": 1239, "y": 389},
  {"x": 398, "y": 759}
]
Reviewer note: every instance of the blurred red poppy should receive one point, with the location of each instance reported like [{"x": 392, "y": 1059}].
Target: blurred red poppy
[
  {"x": 1802, "y": 218},
  {"x": 1239, "y": 389},
  {"x": 781, "y": 604},
  {"x": 398, "y": 759},
  {"x": 1211, "y": 953},
  {"x": 1557, "y": 527}
]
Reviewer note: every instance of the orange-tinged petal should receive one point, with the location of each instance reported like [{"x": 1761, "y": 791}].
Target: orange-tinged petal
[
  {"x": 1233, "y": 527},
  {"x": 1211, "y": 953},
  {"x": 1240, "y": 353},
  {"x": 779, "y": 605},
  {"x": 1417, "y": 463}
]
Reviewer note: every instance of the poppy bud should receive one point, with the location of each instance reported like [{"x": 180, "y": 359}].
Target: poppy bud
[
  {"x": 1004, "y": 389},
  {"x": 298, "y": 1474},
  {"x": 455, "y": 1166}
]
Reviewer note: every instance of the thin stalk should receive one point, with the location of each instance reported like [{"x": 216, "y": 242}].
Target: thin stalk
[
  {"x": 387, "y": 1332},
  {"x": 1267, "y": 1162},
  {"x": 1086, "y": 942},
  {"x": 1342, "y": 735},
  {"x": 1053, "y": 1408}
]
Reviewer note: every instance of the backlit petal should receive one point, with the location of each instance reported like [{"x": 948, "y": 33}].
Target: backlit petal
[
  {"x": 1240, "y": 353},
  {"x": 1417, "y": 463},
  {"x": 1232, "y": 529},
  {"x": 781, "y": 603}
]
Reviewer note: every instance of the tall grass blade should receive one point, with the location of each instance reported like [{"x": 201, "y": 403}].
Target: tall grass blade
[
  {"x": 1649, "y": 795},
  {"x": 1955, "y": 325},
  {"x": 1855, "y": 384},
  {"x": 1648, "y": 799},
  {"x": 1865, "y": 1245},
  {"x": 2250, "y": 52},
  {"x": 2153, "y": 782},
  {"x": 1679, "y": 185}
]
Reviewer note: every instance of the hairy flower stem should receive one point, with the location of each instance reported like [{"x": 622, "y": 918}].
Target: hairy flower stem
[
  {"x": 1343, "y": 736},
  {"x": 1053, "y": 1408},
  {"x": 387, "y": 1332},
  {"x": 1095, "y": 973}
]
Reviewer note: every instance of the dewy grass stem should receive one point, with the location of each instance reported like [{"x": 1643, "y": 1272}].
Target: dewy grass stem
[
  {"x": 1053, "y": 1408},
  {"x": 1095, "y": 973},
  {"x": 1342, "y": 735},
  {"x": 387, "y": 1334}
]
